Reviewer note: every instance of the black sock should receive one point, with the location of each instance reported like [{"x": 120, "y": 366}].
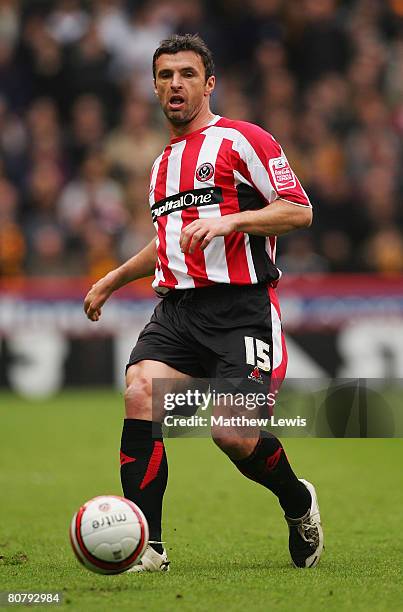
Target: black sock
[
  {"x": 144, "y": 471},
  {"x": 268, "y": 465}
]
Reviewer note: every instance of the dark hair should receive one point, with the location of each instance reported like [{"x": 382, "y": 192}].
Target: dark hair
[{"x": 187, "y": 42}]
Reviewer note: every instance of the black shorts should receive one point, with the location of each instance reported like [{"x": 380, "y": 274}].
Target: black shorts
[{"x": 218, "y": 332}]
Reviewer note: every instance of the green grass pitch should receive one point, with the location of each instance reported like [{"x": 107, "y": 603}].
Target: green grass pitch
[{"x": 226, "y": 537}]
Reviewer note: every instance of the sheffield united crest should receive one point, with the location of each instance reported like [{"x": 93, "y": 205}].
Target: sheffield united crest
[{"x": 205, "y": 172}]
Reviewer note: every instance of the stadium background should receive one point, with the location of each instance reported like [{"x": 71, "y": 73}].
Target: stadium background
[{"x": 80, "y": 127}]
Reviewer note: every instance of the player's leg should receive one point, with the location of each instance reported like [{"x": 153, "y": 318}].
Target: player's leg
[
  {"x": 162, "y": 352},
  {"x": 260, "y": 456},
  {"x": 144, "y": 468},
  {"x": 256, "y": 354},
  {"x": 251, "y": 350}
]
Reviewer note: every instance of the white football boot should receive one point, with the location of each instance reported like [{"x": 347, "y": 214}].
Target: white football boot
[
  {"x": 306, "y": 534},
  {"x": 151, "y": 561}
]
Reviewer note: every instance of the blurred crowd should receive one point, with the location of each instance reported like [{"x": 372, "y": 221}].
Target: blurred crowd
[{"x": 80, "y": 126}]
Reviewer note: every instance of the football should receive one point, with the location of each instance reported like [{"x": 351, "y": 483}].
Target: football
[{"x": 109, "y": 534}]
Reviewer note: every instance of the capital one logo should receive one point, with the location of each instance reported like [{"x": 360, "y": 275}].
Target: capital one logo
[{"x": 186, "y": 199}]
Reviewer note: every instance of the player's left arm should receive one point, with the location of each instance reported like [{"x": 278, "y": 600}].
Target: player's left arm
[
  {"x": 262, "y": 162},
  {"x": 279, "y": 218}
]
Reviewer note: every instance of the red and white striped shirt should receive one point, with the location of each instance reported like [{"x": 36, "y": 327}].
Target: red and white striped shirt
[{"x": 226, "y": 167}]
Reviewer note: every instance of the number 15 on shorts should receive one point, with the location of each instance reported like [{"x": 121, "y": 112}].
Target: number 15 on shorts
[{"x": 257, "y": 353}]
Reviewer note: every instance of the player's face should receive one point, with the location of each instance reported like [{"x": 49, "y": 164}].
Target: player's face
[{"x": 181, "y": 86}]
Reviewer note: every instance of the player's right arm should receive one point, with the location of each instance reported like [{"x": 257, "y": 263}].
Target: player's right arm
[{"x": 138, "y": 266}]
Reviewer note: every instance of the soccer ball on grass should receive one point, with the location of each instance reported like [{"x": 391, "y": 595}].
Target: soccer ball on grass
[{"x": 109, "y": 534}]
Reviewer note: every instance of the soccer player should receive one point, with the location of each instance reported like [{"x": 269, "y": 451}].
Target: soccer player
[{"x": 220, "y": 193}]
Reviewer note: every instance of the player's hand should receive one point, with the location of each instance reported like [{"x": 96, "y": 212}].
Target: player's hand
[
  {"x": 96, "y": 298},
  {"x": 202, "y": 231}
]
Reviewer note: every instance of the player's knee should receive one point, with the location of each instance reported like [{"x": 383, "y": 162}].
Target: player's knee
[
  {"x": 138, "y": 400},
  {"x": 232, "y": 445}
]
